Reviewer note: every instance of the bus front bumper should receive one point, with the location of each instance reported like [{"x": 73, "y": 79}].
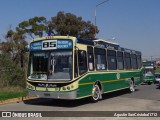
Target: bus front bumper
[
  {"x": 55, "y": 95},
  {"x": 148, "y": 80}
]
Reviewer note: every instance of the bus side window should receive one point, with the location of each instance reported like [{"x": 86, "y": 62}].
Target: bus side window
[
  {"x": 82, "y": 61},
  {"x": 139, "y": 61},
  {"x": 111, "y": 55},
  {"x": 100, "y": 59},
  {"x": 127, "y": 58},
  {"x": 134, "y": 61},
  {"x": 90, "y": 58},
  {"x": 120, "y": 60}
]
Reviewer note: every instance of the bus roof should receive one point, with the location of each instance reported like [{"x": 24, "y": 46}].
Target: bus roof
[
  {"x": 92, "y": 41},
  {"x": 106, "y": 44},
  {"x": 53, "y": 37}
]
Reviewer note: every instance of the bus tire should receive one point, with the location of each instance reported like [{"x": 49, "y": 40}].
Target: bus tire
[
  {"x": 96, "y": 93},
  {"x": 131, "y": 87}
]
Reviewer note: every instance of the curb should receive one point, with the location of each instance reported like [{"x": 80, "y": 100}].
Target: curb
[{"x": 16, "y": 100}]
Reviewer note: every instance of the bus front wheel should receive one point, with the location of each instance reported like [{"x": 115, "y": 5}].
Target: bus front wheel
[{"x": 96, "y": 93}]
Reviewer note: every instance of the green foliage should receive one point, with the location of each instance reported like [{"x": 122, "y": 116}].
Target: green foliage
[
  {"x": 34, "y": 26},
  {"x": 10, "y": 60},
  {"x": 11, "y": 74},
  {"x": 61, "y": 24},
  {"x": 67, "y": 23},
  {"x": 14, "y": 46}
]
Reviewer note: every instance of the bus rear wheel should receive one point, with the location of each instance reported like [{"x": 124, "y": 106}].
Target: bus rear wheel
[{"x": 96, "y": 93}]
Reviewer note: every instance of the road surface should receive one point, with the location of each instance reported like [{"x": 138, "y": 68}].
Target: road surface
[{"x": 145, "y": 98}]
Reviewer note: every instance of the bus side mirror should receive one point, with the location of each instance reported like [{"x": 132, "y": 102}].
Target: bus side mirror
[{"x": 25, "y": 50}]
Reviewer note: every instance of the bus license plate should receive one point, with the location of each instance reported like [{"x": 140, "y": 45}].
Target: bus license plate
[{"x": 47, "y": 94}]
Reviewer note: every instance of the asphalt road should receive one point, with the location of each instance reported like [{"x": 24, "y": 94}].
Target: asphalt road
[{"x": 145, "y": 98}]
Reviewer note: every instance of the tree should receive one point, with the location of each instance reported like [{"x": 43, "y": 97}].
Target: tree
[
  {"x": 70, "y": 24},
  {"x": 34, "y": 26},
  {"x": 11, "y": 74},
  {"x": 10, "y": 59},
  {"x": 61, "y": 24},
  {"x": 14, "y": 45}
]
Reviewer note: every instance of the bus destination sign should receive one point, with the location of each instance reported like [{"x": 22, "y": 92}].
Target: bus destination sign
[
  {"x": 64, "y": 44},
  {"x": 50, "y": 45},
  {"x": 36, "y": 46}
]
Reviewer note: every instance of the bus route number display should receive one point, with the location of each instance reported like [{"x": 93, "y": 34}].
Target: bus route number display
[
  {"x": 56, "y": 44},
  {"x": 49, "y": 44}
]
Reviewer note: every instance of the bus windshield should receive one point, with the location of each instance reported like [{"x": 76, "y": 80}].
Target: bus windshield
[
  {"x": 52, "y": 65},
  {"x": 149, "y": 72}
]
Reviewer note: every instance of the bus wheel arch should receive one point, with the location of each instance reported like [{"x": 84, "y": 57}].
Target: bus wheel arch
[{"x": 97, "y": 91}]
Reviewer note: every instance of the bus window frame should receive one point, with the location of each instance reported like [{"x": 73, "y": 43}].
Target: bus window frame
[
  {"x": 115, "y": 57},
  {"x": 122, "y": 60},
  {"x": 85, "y": 60},
  {"x": 76, "y": 68},
  {"x": 90, "y": 51},
  {"x": 97, "y": 52},
  {"x": 139, "y": 63},
  {"x": 134, "y": 66},
  {"x": 125, "y": 58}
]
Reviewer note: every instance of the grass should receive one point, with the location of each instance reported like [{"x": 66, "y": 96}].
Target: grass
[
  {"x": 157, "y": 70},
  {"x": 14, "y": 92}
]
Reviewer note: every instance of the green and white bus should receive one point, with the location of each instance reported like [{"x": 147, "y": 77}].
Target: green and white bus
[
  {"x": 65, "y": 67},
  {"x": 149, "y": 71}
]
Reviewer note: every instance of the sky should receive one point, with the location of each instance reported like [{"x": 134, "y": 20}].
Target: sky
[{"x": 135, "y": 24}]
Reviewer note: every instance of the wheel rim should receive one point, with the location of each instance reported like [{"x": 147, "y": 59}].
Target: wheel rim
[{"x": 96, "y": 93}]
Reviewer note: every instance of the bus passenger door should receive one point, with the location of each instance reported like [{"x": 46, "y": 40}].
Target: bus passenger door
[
  {"x": 76, "y": 64},
  {"x": 82, "y": 62}
]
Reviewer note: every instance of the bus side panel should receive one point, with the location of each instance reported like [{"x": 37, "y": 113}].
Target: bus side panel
[
  {"x": 85, "y": 86},
  {"x": 139, "y": 78},
  {"x": 110, "y": 81},
  {"x": 113, "y": 86},
  {"x": 84, "y": 90},
  {"x": 128, "y": 75}
]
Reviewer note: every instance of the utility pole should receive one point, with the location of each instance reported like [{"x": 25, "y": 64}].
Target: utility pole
[{"x": 95, "y": 15}]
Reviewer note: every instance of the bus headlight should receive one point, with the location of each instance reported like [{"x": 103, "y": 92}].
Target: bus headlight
[
  {"x": 72, "y": 86},
  {"x": 64, "y": 88},
  {"x": 30, "y": 87},
  {"x": 68, "y": 88}
]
